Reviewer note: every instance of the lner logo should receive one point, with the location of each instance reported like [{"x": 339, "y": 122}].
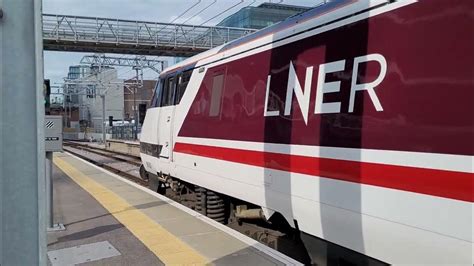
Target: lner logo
[{"x": 323, "y": 87}]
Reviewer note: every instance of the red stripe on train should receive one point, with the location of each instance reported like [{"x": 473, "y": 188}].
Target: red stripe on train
[{"x": 447, "y": 184}]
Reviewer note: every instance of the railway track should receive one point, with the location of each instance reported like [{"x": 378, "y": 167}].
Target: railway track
[
  {"x": 125, "y": 165},
  {"x": 112, "y": 154}
]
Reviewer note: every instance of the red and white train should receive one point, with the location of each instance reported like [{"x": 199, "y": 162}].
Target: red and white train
[{"x": 354, "y": 121}]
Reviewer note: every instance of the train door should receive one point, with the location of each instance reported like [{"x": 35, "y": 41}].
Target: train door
[{"x": 165, "y": 124}]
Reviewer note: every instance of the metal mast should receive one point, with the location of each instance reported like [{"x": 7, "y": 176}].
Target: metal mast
[{"x": 138, "y": 61}]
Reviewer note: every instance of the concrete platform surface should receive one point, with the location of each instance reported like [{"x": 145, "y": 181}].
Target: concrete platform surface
[
  {"x": 88, "y": 222},
  {"x": 113, "y": 221}
]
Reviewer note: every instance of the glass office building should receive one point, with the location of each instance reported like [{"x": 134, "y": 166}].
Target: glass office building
[
  {"x": 261, "y": 16},
  {"x": 78, "y": 72}
]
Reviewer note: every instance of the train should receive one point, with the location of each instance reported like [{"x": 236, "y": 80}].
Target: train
[{"x": 351, "y": 122}]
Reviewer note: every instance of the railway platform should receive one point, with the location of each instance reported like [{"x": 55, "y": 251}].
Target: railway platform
[{"x": 110, "y": 220}]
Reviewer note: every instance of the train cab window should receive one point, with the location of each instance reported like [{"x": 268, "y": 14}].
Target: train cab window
[
  {"x": 182, "y": 84},
  {"x": 169, "y": 88},
  {"x": 171, "y": 91},
  {"x": 156, "y": 98},
  {"x": 216, "y": 94}
]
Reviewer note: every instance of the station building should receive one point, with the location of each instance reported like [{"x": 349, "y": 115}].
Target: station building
[
  {"x": 258, "y": 17},
  {"x": 142, "y": 96},
  {"x": 83, "y": 105},
  {"x": 264, "y": 15}
]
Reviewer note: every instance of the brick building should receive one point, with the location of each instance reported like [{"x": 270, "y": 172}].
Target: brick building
[{"x": 143, "y": 96}]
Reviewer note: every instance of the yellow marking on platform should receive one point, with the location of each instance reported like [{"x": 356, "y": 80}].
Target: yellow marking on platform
[{"x": 167, "y": 247}]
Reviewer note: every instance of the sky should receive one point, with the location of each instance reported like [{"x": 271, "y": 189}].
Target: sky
[{"x": 57, "y": 63}]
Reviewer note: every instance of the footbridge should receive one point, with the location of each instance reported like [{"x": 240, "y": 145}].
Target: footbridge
[{"x": 106, "y": 35}]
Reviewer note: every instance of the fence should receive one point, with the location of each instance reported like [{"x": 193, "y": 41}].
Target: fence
[{"x": 126, "y": 132}]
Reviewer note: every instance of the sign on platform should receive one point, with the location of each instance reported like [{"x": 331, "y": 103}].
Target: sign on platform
[{"x": 53, "y": 133}]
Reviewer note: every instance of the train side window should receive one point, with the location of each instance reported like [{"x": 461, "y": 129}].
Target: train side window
[
  {"x": 171, "y": 91},
  {"x": 216, "y": 94},
  {"x": 164, "y": 93},
  {"x": 156, "y": 98},
  {"x": 183, "y": 83},
  {"x": 169, "y": 88}
]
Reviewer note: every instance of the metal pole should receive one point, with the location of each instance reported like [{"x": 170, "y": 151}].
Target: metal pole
[
  {"x": 49, "y": 189},
  {"x": 65, "y": 93},
  {"x": 22, "y": 154},
  {"x": 68, "y": 112},
  {"x": 135, "y": 117},
  {"x": 103, "y": 118}
]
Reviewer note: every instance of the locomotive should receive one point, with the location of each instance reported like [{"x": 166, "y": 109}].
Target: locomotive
[{"x": 352, "y": 122}]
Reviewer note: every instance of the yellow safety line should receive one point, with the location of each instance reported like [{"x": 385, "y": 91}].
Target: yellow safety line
[{"x": 167, "y": 247}]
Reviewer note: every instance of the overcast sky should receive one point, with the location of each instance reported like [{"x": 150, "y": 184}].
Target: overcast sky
[{"x": 57, "y": 63}]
